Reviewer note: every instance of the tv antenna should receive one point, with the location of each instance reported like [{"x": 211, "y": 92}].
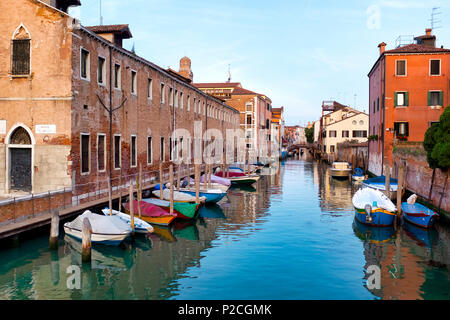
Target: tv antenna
[
  {"x": 435, "y": 13},
  {"x": 101, "y": 18},
  {"x": 229, "y": 74}
]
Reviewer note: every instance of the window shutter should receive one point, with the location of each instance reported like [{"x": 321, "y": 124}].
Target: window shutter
[
  {"x": 407, "y": 99},
  {"x": 429, "y": 98},
  {"x": 407, "y": 129},
  {"x": 441, "y": 98},
  {"x": 396, "y": 128},
  {"x": 395, "y": 99}
]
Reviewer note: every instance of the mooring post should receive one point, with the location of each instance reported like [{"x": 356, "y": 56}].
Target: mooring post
[
  {"x": 205, "y": 182},
  {"x": 171, "y": 187},
  {"x": 54, "y": 231},
  {"x": 179, "y": 177},
  {"x": 109, "y": 197},
  {"x": 248, "y": 162},
  {"x": 130, "y": 201},
  {"x": 160, "y": 181},
  {"x": 387, "y": 175},
  {"x": 120, "y": 191},
  {"x": 401, "y": 177},
  {"x": 86, "y": 233},
  {"x": 197, "y": 183}
]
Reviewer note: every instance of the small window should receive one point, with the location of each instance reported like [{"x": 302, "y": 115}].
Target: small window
[
  {"x": 401, "y": 129},
  {"x": 101, "y": 71},
  {"x": 101, "y": 154},
  {"x": 400, "y": 68},
  {"x": 85, "y": 64},
  {"x": 162, "y": 92},
  {"x": 378, "y": 104},
  {"x": 345, "y": 134},
  {"x": 150, "y": 89},
  {"x": 195, "y": 105},
  {"x": 117, "y": 152},
  {"x": 170, "y": 149},
  {"x": 170, "y": 97},
  {"x": 435, "y": 98},
  {"x": 332, "y": 148},
  {"x": 333, "y": 134},
  {"x": 249, "y": 119},
  {"x": 181, "y": 100},
  {"x": 117, "y": 76},
  {"x": 359, "y": 134},
  {"x": 133, "y": 152},
  {"x": 435, "y": 67},
  {"x": 176, "y": 99},
  {"x": 85, "y": 148},
  {"x": 133, "y": 82},
  {"x": 149, "y": 151},
  {"x": 20, "y": 57},
  {"x": 401, "y": 99},
  {"x": 188, "y": 103},
  {"x": 162, "y": 149}
]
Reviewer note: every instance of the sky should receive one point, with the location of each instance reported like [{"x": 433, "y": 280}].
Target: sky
[{"x": 297, "y": 52}]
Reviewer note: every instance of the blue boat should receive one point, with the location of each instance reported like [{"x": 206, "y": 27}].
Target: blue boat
[
  {"x": 379, "y": 183},
  {"x": 373, "y": 208},
  {"x": 212, "y": 196},
  {"x": 419, "y": 215},
  {"x": 373, "y": 234}
]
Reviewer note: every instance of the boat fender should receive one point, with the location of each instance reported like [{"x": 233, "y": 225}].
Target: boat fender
[
  {"x": 412, "y": 199},
  {"x": 368, "y": 210}
]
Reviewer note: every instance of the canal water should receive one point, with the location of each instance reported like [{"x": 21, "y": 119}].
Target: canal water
[{"x": 290, "y": 236}]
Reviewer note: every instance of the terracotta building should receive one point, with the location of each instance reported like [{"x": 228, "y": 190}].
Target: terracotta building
[
  {"x": 408, "y": 90},
  {"x": 58, "y": 80},
  {"x": 255, "y": 110}
]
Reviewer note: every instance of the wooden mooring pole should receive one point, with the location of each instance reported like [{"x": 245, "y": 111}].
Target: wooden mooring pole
[
  {"x": 171, "y": 187},
  {"x": 130, "y": 201},
  {"x": 54, "y": 231},
  {"x": 86, "y": 234},
  {"x": 160, "y": 181},
  {"x": 120, "y": 191},
  {"x": 387, "y": 174},
  {"x": 401, "y": 177},
  {"x": 197, "y": 184},
  {"x": 110, "y": 197}
]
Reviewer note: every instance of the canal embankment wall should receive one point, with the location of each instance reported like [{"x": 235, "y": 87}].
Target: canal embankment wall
[{"x": 419, "y": 177}]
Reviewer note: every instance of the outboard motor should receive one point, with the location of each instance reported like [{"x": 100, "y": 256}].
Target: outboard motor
[{"x": 368, "y": 210}]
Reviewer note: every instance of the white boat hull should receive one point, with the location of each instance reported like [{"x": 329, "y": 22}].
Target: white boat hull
[{"x": 109, "y": 239}]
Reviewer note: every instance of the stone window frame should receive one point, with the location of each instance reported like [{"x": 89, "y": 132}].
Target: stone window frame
[
  {"x": 133, "y": 82},
  {"x": 104, "y": 151},
  {"x": 162, "y": 147},
  {"x": 120, "y": 151},
  {"x": 88, "y": 65},
  {"x": 81, "y": 154},
  {"x": 162, "y": 92},
  {"x": 117, "y": 76},
  {"x": 150, "y": 88},
  {"x": 440, "y": 68},
  {"x": 135, "y": 151},
  {"x": 151, "y": 150},
  {"x": 406, "y": 68},
  {"x": 103, "y": 84},
  {"x": 188, "y": 107},
  {"x": 181, "y": 104},
  {"x": 31, "y": 51}
]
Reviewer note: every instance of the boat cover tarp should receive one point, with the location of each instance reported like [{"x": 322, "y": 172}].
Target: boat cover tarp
[
  {"x": 100, "y": 223},
  {"x": 177, "y": 196},
  {"x": 148, "y": 209},
  {"x": 373, "y": 197},
  {"x": 187, "y": 209},
  {"x": 232, "y": 174}
]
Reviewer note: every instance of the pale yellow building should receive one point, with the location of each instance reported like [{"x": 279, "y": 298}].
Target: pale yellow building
[{"x": 343, "y": 125}]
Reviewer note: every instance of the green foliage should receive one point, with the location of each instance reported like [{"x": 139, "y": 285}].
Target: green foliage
[
  {"x": 373, "y": 137},
  {"x": 437, "y": 142},
  {"x": 309, "y": 132}
]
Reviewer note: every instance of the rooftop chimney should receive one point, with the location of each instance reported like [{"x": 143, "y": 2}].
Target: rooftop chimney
[
  {"x": 427, "y": 39},
  {"x": 428, "y": 31},
  {"x": 185, "y": 68},
  {"x": 113, "y": 33},
  {"x": 382, "y": 47}
]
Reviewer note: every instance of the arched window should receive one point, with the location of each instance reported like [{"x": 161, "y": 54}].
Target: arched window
[
  {"x": 20, "y": 136},
  {"x": 20, "y": 52}
]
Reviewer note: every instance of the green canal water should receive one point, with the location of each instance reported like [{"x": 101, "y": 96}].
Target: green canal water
[{"x": 291, "y": 236}]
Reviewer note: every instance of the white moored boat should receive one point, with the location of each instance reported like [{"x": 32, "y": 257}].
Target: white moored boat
[
  {"x": 140, "y": 226},
  {"x": 177, "y": 196},
  {"x": 108, "y": 230},
  {"x": 340, "y": 169}
]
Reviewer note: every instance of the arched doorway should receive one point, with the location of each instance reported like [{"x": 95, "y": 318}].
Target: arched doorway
[{"x": 20, "y": 154}]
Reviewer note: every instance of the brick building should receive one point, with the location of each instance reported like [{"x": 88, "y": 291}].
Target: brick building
[
  {"x": 59, "y": 77},
  {"x": 408, "y": 90},
  {"x": 255, "y": 110}
]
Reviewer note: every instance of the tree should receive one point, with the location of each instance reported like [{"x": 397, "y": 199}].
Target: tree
[
  {"x": 309, "y": 132},
  {"x": 437, "y": 143}
]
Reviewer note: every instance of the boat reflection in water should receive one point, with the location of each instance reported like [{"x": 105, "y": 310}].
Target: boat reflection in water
[
  {"x": 373, "y": 234},
  {"x": 214, "y": 211},
  {"x": 423, "y": 237}
]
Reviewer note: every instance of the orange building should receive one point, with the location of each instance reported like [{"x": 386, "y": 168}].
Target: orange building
[{"x": 408, "y": 91}]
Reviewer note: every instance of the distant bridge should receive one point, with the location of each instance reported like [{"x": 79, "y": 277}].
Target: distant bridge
[{"x": 296, "y": 147}]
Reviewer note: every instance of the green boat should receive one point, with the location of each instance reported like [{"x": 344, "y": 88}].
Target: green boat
[{"x": 184, "y": 210}]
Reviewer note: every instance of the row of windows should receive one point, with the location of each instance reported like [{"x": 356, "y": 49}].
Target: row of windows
[
  {"x": 117, "y": 151},
  {"x": 401, "y": 68},
  {"x": 176, "y": 98},
  {"x": 346, "y": 134},
  {"x": 402, "y": 99}
]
